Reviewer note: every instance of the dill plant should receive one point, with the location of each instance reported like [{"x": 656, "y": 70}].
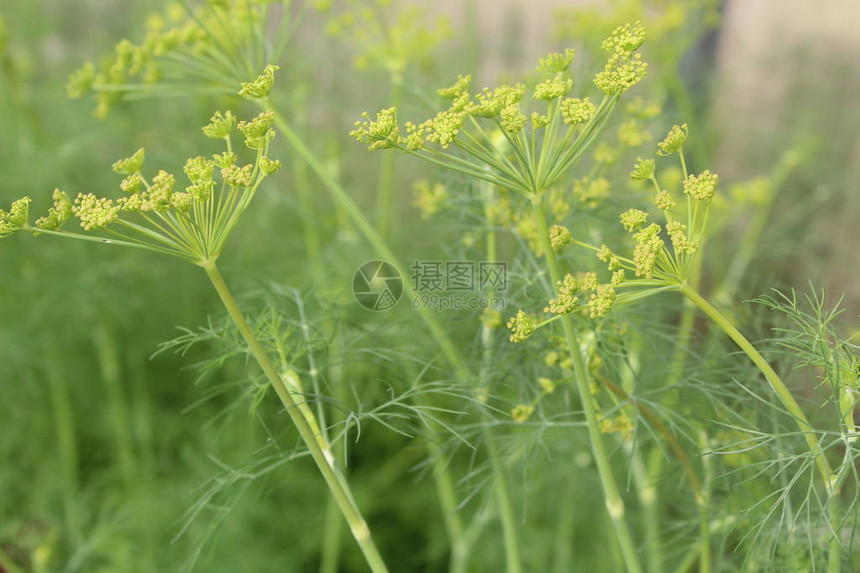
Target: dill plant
[
  {"x": 515, "y": 146},
  {"x": 194, "y": 225},
  {"x": 529, "y": 156},
  {"x": 526, "y": 145}
]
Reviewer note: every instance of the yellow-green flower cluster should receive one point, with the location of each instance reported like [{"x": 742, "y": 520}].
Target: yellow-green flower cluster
[
  {"x": 130, "y": 165},
  {"x": 59, "y": 213},
  {"x": 648, "y": 245},
  {"x": 95, "y": 212},
  {"x": 522, "y": 412},
  {"x": 258, "y": 132},
  {"x": 674, "y": 140},
  {"x": 559, "y": 236},
  {"x": 643, "y": 169},
  {"x": 556, "y": 63},
  {"x": 632, "y": 219},
  {"x": 624, "y": 69},
  {"x": 547, "y": 385},
  {"x": 490, "y": 103},
  {"x": 701, "y": 186},
  {"x": 16, "y": 218},
  {"x": 566, "y": 301},
  {"x": 553, "y": 88},
  {"x": 601, "y": 301},
  {"x": 220, "y": 125},
  {"x": 576, "y": 110},
  {"x": 386, "y": 36},
  {"x": 460, "y": 87},
  {"x": 429, "y": 199},
  {"x": 261, "y": 86},
  {"x": 381, "y": 133},
  {"x": 512, "y": 119},
  {"x": 620, "y": 424},
  {"x": 632, "y": 133},
  {"x": 664, "y": 201},
  {"x": 205, "y": 41},
  {"x": 592, "y": 192},
  {"x": 678, "y": 235},
  {"x": 642, "y": 109},
  {"x": 605, "y": 254},
  {"x": 521, "y": 326}
]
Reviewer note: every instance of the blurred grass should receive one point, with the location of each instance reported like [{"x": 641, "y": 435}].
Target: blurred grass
[{"x": 102, "y": 453}]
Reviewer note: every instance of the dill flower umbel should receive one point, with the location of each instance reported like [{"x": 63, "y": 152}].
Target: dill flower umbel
[
  {"x": 643, "y": 170},
  {"x": 702, "y": 186},
  {"x": 559, "y": 236},
  {"x": 216, "y": 43},
  {"x": 674, "y": 140},
  {"x": 566, "y": 301},
  {"x": 192, "y": 223},
  {"x": 521, "y": 326},
  {"x": 625, "y": 68},
  {"x": 576, "y": 110},
  {"x": 16, "y": 218},
  {"x": 522, "y": 412},
  {"x": 261, "y": 86},
  {"x": 632, "y": 219},
  {"x": 518, "y": 137}
]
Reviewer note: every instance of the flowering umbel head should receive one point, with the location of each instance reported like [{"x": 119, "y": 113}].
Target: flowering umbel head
[
  {"x": 192, "y": 49},
  {"x": 261, "y": 87},
  {"x": 624, "y": 69},
  {"x": 191, "y": 221},
  {"x": 499, "y": 132},
  {"x": 16, "y": 218},
  {"x": 674, "y": 140}
]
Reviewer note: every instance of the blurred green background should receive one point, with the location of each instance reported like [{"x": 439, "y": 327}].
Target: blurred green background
[{"x": 115, "y": 460}]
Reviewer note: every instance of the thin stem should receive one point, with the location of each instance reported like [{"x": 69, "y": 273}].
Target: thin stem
[
  {"x": 375, "y": 239},
  {"x": 457, "y": 539},
  {"x": 384, "y": 199},
  {"x": 612, "y": 498},
  {"x": 776, "y": 383},
  {"x": 323, "y": 458},
  {"x": 503, "y": 498}
]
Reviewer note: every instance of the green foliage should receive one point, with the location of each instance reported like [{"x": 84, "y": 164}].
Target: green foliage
[{"x": 612, "y": 426}]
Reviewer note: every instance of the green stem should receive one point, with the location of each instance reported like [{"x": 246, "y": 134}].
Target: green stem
[
  {"x": 646, "y": 491},
  {"x": 384, "y": 200},
  {"x": 374, "y": 238},
  {"x": 108, "y": 361},
  {"x": 776, "y": 383},
  {"x": 612, "y": 498},
  {"x": 457, "y": 538},
  {"x": 513, "y": 560},
  {"x": 503, "y": 498},
  {"x": 331, "y": 537},
  {"x": 323, "y": 458}
]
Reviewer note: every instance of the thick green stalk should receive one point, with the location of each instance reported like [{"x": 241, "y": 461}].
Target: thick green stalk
[
  {"x": 323, "y": 458},
  {"x": 612, "y": 497},
  {"x": 330, "y": 558},
  {"x": 784, "y": 394}
]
